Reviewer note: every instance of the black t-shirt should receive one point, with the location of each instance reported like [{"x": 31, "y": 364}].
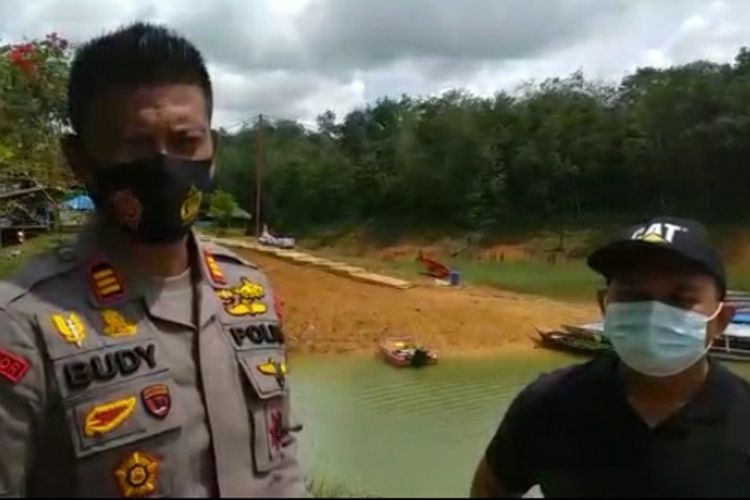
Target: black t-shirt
[{"x": 573, "y": 433}]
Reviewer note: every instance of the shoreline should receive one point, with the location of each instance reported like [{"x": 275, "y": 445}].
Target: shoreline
[{"x": 327, "y": 314}]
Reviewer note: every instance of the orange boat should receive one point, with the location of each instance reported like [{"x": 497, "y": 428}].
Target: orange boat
[
  {"x": 432, "y": 267},
  {"x": 404, "y": 351}
]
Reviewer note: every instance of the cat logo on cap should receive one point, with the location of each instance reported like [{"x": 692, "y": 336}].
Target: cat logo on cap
[
  {"x": 105, "y": 417},
  {"x": 658, "y": 232},
  {"x": 213, "y": 269},
  {"x": 191, "y": 205},
  {"x": 137, "y": 474},
  {"x": 117, "y": 326},
  {"x": 653, "y": 238},
  {"x": 70, "y": 328},
  {"x": 106, "y": 282}
]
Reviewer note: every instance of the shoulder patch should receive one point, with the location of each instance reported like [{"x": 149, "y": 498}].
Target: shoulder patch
[
  {"x": 12, "y": 367},
  {"x": 105, "y": 282}
]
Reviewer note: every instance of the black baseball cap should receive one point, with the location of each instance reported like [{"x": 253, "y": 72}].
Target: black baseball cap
[{"x": 682, "y": 239}]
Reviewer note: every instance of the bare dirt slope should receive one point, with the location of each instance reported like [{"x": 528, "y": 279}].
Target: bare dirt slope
[{"x": 328, "y": 313}]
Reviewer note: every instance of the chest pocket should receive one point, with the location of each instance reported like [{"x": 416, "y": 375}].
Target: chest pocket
[
  {"x": 261, "y": 358},
  {"x": 124, "y": 437},
  {"x": 118, "y": 407}
]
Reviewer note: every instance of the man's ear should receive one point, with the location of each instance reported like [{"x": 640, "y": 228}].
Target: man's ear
[
  {"x": 722, "y": 321},
  {"x": 73, "y": 151}
]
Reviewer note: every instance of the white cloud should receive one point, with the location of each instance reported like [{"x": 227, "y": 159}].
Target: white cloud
[{"x": 297, "y": 58}]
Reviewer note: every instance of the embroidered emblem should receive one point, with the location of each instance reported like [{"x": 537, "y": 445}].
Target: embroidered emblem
[
  {"x": 115, "y": 325},
  {"x": 191, "y": 205},
  {"x": 12, "y": 367},
  {"x": 275, "y": 369},
  {"x": 105, "y": 282},
  {"x": 137, "y": 474},
  {"x": 243, "y": 299},
  {"x": 157, "y": 400},
  {"x": 106, "y": 417},
  {"x": 70, "y": 328},
  {"x": 127, "y": 208}
]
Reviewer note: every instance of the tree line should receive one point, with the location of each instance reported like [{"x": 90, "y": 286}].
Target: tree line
[
  {"x": 572, "y": 149},
  {"x": 673, "y": 140}
]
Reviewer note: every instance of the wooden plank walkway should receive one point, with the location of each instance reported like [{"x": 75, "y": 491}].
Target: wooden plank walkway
[{"x": 303, "y": 258}]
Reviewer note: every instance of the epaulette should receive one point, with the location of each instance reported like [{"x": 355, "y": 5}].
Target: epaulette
[
  {"x": 37, "y": 270},
  {"x": 222, "y": 253}
]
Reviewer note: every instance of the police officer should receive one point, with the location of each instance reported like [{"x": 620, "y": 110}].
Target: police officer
[
  {"x": 141, "y": 361},
  {"x": 657, "y": 419}
]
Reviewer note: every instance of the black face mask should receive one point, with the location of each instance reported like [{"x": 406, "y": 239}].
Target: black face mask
[{"x": 156, "y": 200}]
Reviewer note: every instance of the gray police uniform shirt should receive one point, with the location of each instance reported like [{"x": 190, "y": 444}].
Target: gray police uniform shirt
[{"x": 108, "y": 388}]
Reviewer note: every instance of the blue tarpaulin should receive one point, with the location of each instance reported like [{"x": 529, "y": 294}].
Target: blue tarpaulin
[{"x": 82, "y": 202}]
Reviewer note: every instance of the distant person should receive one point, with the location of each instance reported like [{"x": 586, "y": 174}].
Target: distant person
[
  {"x": 659, "y": 418},
  {"x": 141, "y": 361}
]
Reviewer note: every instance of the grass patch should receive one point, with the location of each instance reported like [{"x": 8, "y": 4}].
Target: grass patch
[
  {"x": 12, "y": 258},
  {"x": 321, "y": 486},
  {"x": 571, "y": 280},
  {"x": 568, "y": 280}
]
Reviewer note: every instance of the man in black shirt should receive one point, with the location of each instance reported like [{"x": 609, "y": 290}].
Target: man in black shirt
[{"x": 657, "y": 419}]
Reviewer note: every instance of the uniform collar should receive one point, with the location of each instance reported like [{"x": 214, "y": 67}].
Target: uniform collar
[{"x": 102, "y": 253}]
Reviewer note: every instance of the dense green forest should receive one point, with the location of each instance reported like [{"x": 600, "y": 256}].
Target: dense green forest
[{"x": 566, "y": 150}]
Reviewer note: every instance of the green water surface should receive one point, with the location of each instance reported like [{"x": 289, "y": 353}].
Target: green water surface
[{"x": 391, "y": 432}]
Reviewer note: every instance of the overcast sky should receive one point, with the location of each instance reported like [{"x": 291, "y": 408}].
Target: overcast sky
[{"x": 297, "y": 58}]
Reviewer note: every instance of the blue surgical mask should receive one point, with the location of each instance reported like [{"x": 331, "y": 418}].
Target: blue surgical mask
[{"x": 656, "y": 339}]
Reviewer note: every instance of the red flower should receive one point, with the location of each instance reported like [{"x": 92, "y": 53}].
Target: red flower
[
  {"x": 25, "y": 65},
  {"x": 21, "y": 57},
  {"x": 15, "y": 55}
]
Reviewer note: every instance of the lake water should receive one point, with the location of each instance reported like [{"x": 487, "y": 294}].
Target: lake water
[{"x": 391, "y": 432}]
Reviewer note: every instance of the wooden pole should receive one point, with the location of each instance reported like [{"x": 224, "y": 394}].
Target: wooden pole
[{"x": 258, "y": 174}]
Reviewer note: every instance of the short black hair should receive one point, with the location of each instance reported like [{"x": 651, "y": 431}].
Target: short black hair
[{"x": 140, "y": 53}]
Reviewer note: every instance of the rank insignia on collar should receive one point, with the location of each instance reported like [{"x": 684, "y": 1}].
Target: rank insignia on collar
[
  {"x": 70, "y": 328},
  {"x": 213, "y": 269},
  {"x": 157, "y": 400},
  {"x": 243, "y": 299},
  {"x": 275, "y": 369},
  {"x": 105, "y": 417},
  {"x": 12, "y": 367},
  {"x": 115, "y": 325},
  {"x": 137, "y": 474},
  {"x": 106, "y": 282}
]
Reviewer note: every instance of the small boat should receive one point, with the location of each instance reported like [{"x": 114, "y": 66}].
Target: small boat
[
  {"x": 576, "y": 343},
  {"x": 403, "y": 352},
  {"x": 433, "y": 267},
  {"x": 732, "y": 345}
]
